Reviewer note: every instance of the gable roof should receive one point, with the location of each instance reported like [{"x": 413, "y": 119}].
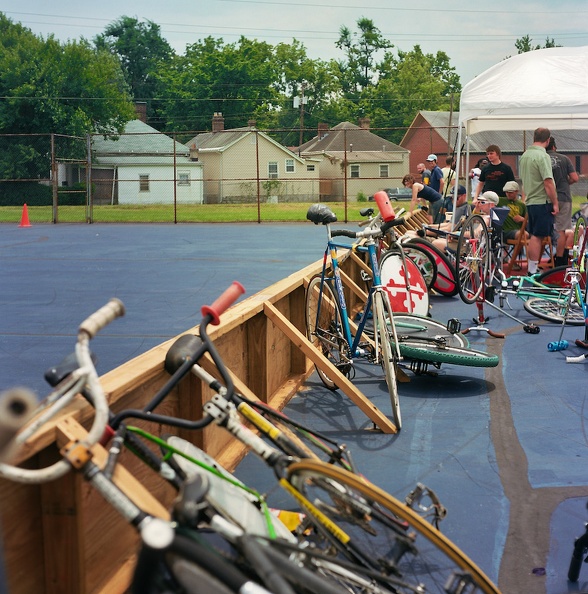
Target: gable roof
[
  {"x": 356, "y": 138},
  {"x": 137, "y": 139},
  {"x": 221, "y": 140},
  {"x": 509, "y": 141}
]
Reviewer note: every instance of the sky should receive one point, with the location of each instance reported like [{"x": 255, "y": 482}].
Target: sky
[{"x": 475, "y": 36}]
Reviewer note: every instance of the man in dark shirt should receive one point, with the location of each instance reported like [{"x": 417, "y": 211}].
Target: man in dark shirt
[
  {"x": 435, "y": 182},
  {"x": 495, "y": 174}
]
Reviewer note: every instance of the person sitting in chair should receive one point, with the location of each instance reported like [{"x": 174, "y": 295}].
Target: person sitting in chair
[{"x": 513, "y": 222}]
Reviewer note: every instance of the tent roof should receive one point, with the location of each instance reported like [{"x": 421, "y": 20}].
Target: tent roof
[{"x": 542, "y": 88}]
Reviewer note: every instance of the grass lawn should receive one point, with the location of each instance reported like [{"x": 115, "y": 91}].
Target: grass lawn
[{"x": 192, "y": 213}]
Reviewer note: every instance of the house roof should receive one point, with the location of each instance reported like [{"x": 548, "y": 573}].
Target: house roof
[
  {"x": 356, "y": 138},
  {"x": 366, "y": 156},
  {"x": 138, "y": 139},
  {"x": 509, "y": 141},
  {"x": 221, "y": 140}
]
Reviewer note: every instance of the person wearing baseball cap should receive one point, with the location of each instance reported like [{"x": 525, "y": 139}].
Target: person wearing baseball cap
[
  {"x": 513, "y": 222},
  {"x": 435, "y": 182}
]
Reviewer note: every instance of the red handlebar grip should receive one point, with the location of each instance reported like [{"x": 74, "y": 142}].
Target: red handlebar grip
[{"x": 223, "y": 302}]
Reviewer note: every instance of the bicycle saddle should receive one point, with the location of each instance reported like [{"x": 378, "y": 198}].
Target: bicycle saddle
[{"x": 320, "y": 214}]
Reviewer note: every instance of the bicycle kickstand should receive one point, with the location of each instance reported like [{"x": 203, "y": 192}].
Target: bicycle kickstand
[{"x": 481, "y": 320}]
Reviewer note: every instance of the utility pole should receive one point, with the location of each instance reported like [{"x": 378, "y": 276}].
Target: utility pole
[{"x": 301, "y": 102}]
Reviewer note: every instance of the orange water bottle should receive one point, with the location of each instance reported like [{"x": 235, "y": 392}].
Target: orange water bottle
[{"x": 383, "y": 202}]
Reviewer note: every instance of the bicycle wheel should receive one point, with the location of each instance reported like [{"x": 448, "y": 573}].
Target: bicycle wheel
[
  {"x": 555, "y": 277},
  {"x": 424, "y": 261},
  {"x": 425, "y": 339},
  {"x": 382, "y": 315},
  {"x": 323, "y": 327},
  {"x": 404, "y": 283},
  {"x": 580, "y": 236},
  {"x": 445, "y": 284},
  {"x": 554, "y": 310},
  {"x": 473, "y": 250},
  {"x": 381, "y": 532}
]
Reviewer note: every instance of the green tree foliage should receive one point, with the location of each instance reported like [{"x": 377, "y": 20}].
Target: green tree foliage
[
  {"x": 361, "y": 70},
  {"x": 525, "y": 44},
  {"x": 235, "y": 79},
  {"x": 49, "y": 87},
  {"x": 142, "y": 51}
]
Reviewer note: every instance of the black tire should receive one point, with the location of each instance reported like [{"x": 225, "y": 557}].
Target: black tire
[
  {"x": 554, "y": 311},
  {"x": 446, "y": 282},
  {"x": 574, "y": 569},
  {"x": 424, "y": 260},
  {"x": 472, "y": 259},
  {"x": 380, "y": 532},
  {"x": 383, "y": 332},
  {"x": 413, "y": 332},
  {"x": 326, "y": 334}
]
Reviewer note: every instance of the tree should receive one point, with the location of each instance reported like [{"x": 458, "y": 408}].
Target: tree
[
  {"x": 48, "y": 87},
  {"x": 525, "y": 44},
  {"x": 361, "y": 69},
  {"x": 142, "y": 52}
]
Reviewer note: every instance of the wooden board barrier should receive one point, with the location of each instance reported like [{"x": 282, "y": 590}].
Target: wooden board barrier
[{"x": 76, "y": 540}]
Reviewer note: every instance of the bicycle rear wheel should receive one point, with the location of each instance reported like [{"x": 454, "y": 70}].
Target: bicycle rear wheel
[
  {"x": 323, "y": 327},
  {"x": 473, "y": 251},
  {"x": 382, "y": 533},
  {"x": 580, "y": 236},
  {"x": 555, "y": 310},
  {"x": 445, "y": 284},
  {"x": 383, "y": 332},
  {"x": 425, "y": 339},
  {"x": 404, "y": 283},
  {"x": 555, "y": 277}
]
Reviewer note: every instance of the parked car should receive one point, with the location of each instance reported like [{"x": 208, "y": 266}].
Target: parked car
[{"x": 397, "y": 194}]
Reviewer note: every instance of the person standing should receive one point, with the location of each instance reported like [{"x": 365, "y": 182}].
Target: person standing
[
  {"x": 435, "y": 183},
  {"x": 564, "y": 175},
  {"x": 422, "y": 192},
  {"x": 540, "y": 194},
  {"x": 475, "y": 174},
  {"x": 495, "y": 174},
  {"x": 424, "y": 173}
]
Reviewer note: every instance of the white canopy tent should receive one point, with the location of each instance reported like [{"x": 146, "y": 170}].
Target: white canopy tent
[{"x": 542, "y": 88}]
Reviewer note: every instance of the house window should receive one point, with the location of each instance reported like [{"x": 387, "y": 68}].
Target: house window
[
  {"x": 289, "y": 166},
  {"x": 143, "y": 183},
  {"x": 272, "y": 170},
  {"x": 578, "y": 165},
  {"x": 354, "y": 171},
  {"x": 310, "y": 168},
  {"x": 384, "y": 170},
  {"x": 183, "y": 178}
]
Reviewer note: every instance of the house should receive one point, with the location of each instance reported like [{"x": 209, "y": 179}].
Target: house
[
  {"x": 436, "y": 132},
  {"x": 355, "y": 161},
  {"x": 246, "y": 165},
  {"x": 144, "y": 166}
]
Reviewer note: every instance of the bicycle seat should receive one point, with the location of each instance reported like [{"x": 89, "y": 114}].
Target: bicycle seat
[{"x": 320, "y": 214}]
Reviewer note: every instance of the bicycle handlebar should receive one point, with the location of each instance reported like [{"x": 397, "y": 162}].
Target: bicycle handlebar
[
  {"x": 101, "y": 318},
  {"x": 222, "y": 303},
  {"x": 368, "y": 233}
]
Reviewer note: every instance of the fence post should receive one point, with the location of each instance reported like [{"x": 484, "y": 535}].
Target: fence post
[
  {"x": 175, "y": 181},
  {"x": 89, "y": 196},
  {"x": 54, "y": 181},
  {"x": 258, "y": 180}
]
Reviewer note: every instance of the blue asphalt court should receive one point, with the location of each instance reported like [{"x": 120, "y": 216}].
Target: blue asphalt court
[{"x": 504, "y": 448}]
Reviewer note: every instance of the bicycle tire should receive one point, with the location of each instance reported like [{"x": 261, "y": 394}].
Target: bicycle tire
[
  {"x": 424, "y": 261},
  {"x": 574, "y": 568},
  {"x": 472, "y": 259},
  {"x": 580, "y": 236},
  {"x": 555, "y": 277},
  {"x": 446, "y": 282},
  {"x": 404, "y": 283},
  {"x": 554, "y": 311},
  {"x": 382, "y": 315},
  {"x": 418, "y": 552},
  {"x": 412, "y": 330},
  {"x": 325, "y": 333}
]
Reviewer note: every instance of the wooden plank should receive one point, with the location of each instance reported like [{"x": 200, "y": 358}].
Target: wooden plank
[{"x": 355, "y": 395}]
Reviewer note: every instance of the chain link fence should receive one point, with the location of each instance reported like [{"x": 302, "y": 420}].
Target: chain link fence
[{"x": 242, "y": 174}]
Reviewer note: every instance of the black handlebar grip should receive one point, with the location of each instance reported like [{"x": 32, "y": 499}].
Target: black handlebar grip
[
  {"x": 223, "y": 302},
  {"x": 106, "y": 314},
  {"x": 392, "y": 223},
  {"x": 344, "y": 233}
]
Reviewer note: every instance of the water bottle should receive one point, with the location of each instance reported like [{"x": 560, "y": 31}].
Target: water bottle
[{"x": 558, "y": 345}]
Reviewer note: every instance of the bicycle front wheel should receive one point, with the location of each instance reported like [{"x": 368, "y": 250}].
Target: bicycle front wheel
[
  {"x": 385, "y": 350},
  {"x": 323, "y": 327},
  {"x": 424, "y": 260},
  {"x": 580, "y": 237},
  {"x": 555, "y": 310},
  {"x": 386, "y": 535},
  {"x": 445, "y": 284},
  {"x": 472, "y": 259},
  {"x": 424, "y": 339}
]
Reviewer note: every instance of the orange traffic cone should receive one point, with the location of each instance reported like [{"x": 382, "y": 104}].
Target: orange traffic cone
[{"x": 24, "y": 219}]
